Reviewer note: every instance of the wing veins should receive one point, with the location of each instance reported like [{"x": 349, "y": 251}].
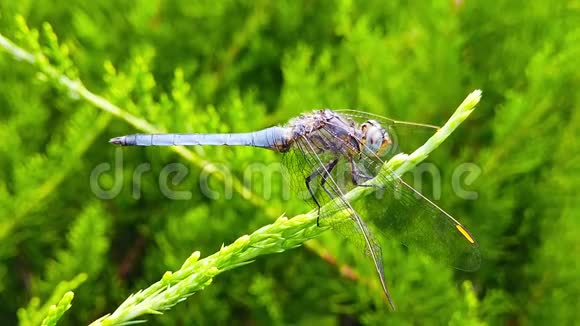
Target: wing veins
[
  {"x": 366, "y": 115},
  {"x": 376, "y": 256},
  {"x": 397, "y": 177},
  {"x": 415, "y": 197}
]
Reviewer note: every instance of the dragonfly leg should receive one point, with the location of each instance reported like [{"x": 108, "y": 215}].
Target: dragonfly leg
[
  {"x": 329, "y": 168},
  {"x": 308, "y": 179},
  {"x": 325, "y": 171}
]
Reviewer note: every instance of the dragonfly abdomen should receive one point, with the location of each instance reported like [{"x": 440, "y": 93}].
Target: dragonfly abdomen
[{"x": 275, "y": 138}]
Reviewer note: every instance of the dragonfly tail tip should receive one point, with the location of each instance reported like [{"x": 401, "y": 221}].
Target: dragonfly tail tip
[{"x": 117, "y": 141}]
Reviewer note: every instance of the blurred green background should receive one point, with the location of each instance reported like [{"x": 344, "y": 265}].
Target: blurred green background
[{"x": 233, "y": 66}]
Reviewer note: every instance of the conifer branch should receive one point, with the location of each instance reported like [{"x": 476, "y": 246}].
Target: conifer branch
[
  {"x": 42, "y": 174},
  {"x": 53, "y": 309},
  {"x": 55, "y": 312}
]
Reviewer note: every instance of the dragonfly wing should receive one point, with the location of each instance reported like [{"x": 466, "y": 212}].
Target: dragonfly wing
[
  {"x": 401, "y": 212},
  {"x": 339, "y": 213},
  {"x": 345, "y": 221},
  {"x": 385, "y": 121}
]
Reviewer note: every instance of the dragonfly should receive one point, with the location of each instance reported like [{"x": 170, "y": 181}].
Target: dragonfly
[{"x": 330, "y": 152}]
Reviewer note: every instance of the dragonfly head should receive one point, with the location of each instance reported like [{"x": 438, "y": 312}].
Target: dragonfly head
[{"x": 375, "y": 138}]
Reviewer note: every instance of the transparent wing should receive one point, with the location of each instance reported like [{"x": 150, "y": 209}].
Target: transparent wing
[
  {"x": 401, "y": 212},
  {"x": 337, "y": 211},
  {"x": 385, "y": 121}
]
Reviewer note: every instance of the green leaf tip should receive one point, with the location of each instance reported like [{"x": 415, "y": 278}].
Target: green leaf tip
[
  {"x": 167, "y": 278},
  {"x": 192, "y": 259},
  {"x": 473, "y": 98},
  {"x": 153, "y": 312},
  {"x": 243, "y": 240},
  {"x": 55, "y": 312}
]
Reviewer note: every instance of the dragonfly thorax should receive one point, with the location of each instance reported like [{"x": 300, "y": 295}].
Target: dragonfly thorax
[{"x": 374, "y": 137}]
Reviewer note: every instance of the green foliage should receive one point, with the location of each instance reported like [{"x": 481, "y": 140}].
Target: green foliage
[
  {"x": 93, "y": 70},
  {"x": 56, "y": 311},
  {"x": 54, "y": 308}
]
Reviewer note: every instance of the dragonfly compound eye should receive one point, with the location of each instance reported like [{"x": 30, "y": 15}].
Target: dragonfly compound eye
[{"x": 375, "y": 138}]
